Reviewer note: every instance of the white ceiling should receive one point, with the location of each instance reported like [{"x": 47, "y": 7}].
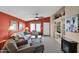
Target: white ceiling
[{"x": 28, "y": 12}]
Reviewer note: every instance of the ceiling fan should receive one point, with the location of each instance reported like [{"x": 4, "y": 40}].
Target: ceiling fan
[{"x": 37, "y": 16}]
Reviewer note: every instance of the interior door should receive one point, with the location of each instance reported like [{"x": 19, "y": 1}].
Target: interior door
[{"x": 46, "y": 28}]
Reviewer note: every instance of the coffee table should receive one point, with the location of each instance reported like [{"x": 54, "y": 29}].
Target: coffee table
[{"x": 37, "y": 44}]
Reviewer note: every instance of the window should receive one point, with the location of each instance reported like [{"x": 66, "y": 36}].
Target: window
[
  {"x": 14, "y": 25},
  {"x": 35, "y": 26},
  {"x": 20, "y": 26},
  {"x": 38, "y": 27},
  {"x": 32, "y": 27}
]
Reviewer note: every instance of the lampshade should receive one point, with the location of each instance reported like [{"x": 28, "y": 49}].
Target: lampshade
[
  {"x": 11, "y": 28},
  {"x": 27, "y": 28}
]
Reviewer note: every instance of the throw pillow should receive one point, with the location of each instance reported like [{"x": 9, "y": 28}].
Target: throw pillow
[{"x": 21, "y": 42}]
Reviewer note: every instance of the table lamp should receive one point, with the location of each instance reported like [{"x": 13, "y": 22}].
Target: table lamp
[
  {"x": 11, "y": 29},
  {"x": 26, "y": 29}
]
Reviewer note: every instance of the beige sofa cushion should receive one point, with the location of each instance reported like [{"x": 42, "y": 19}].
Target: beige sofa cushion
[
  {"x": 15, "y": 36},
  {"x": 11, "y": 46},
  {"x": 21, "y": 42}
]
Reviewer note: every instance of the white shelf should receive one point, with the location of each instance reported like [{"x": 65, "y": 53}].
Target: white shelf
[{"x": 59, "y": 19}]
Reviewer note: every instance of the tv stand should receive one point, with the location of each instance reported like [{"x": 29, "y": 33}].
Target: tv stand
[{"x": 68, "y": 46}]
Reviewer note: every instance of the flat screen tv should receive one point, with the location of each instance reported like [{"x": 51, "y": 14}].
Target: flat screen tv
[{"x": 72, "y": 24}]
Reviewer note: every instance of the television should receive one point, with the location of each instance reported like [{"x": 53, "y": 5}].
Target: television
[{"x": 72, "y": 23}]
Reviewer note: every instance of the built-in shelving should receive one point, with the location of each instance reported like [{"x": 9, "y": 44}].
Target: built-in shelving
[{"x": 59, "y": 28}]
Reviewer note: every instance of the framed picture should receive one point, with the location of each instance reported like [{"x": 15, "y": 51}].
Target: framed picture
[{"x": 72, "y": 24}]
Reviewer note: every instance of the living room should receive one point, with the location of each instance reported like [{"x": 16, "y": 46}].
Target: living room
[
  {"x": 11, "y": 26},
  {"x": 39, "y": 24}
]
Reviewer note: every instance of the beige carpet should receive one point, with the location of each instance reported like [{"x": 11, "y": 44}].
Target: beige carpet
[{"x": 51, "y": 45}]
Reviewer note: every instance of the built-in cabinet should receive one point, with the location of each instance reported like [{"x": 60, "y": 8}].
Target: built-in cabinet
[
  {"x": 59, "y": 25},
  {"x": 59, "y": 28}
]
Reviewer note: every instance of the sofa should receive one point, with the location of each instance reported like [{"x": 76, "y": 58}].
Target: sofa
[
  {"x": 11, "y": 47},
  {"x": 21, "y": 45},
  {"x": 22, "y": 35}
]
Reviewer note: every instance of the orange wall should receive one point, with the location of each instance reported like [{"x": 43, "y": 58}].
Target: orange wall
[
  {"x": 5, "y": 20},
  {"x": 47, "y": 19}
]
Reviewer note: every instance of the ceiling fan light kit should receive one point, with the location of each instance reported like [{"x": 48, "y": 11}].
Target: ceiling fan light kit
[{"x": 37, "y": 16}]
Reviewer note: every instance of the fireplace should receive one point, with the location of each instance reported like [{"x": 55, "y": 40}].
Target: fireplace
[{"x": 68, "y": 46}]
